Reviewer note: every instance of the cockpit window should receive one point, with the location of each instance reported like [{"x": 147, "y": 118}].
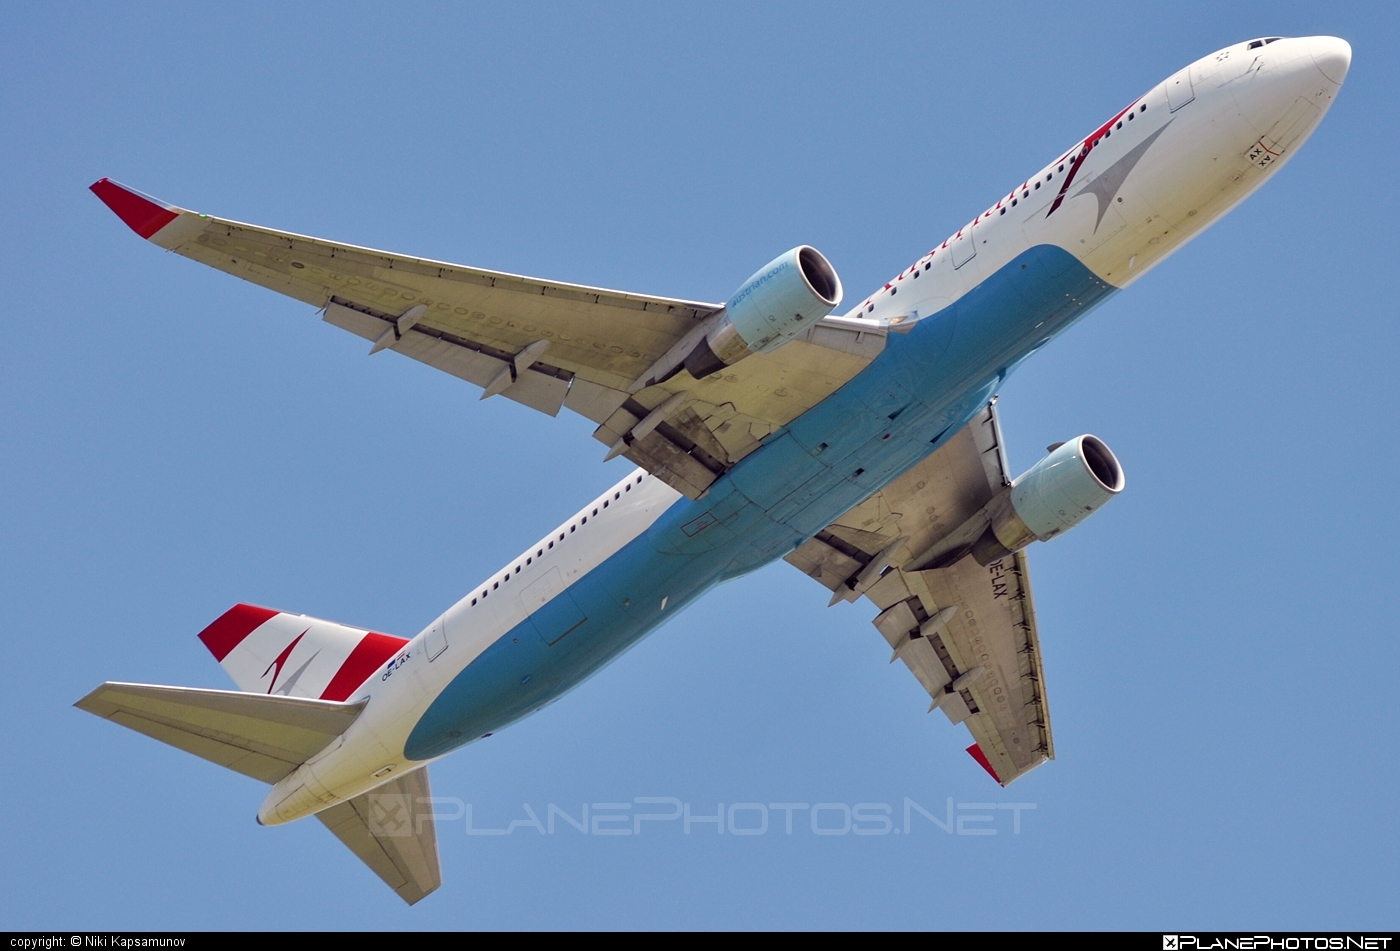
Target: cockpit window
[{"x": 1265, "y": 41}]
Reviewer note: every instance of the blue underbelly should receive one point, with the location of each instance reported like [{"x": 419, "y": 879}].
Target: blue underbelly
[{"x": 924, "y": 387}]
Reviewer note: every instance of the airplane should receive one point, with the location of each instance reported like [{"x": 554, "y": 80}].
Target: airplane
[{"x": 863, "y": 448}]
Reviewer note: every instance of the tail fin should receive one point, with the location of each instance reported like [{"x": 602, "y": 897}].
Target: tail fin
[{"x": 292, "y": 655}]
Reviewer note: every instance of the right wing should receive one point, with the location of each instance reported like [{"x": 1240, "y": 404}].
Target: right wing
[
  {"x": 545, "y": 344},
  {"x": 966, "y": 632},
  {"x": 389, "y": 831}
]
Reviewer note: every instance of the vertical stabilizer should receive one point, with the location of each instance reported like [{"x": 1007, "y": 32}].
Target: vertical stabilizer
[{"x": 292, "y": 655}]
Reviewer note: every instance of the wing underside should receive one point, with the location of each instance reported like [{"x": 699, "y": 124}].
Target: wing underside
[
  {"x": 966, "y": 632},
  {"x": 545, "y": 344}
]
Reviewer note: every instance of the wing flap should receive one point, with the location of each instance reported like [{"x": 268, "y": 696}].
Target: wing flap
[
  {"x": 387, "y": 830},
  {"x": 261, "y": 736},
  {"x": 476, "y": 324},
  {"x": 967, "y": 633}
]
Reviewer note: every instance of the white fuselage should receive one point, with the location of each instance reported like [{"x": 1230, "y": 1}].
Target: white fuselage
[{"x": 1116, "y": 201}]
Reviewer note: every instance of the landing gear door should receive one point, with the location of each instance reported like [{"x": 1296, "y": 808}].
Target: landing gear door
[{"x": 964, "y": 245}]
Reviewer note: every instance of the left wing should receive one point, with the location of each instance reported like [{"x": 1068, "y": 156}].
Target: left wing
[
  {"x": 255, "y": 734},
  {"x": 967, "y": 633},
  {"x": 545, "y": 344}
]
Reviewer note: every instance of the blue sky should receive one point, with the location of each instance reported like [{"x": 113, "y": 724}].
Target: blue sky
[{"x": 1220, "y": 643}]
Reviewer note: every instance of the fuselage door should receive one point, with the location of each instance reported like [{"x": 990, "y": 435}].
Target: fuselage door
[
  {"x": 435, "y": 642},
  {"x": 1179, "y": 89},
  {"x": 964, "y": 245}
]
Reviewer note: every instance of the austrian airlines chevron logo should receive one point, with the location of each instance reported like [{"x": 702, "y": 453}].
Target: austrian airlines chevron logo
[
  {"x": 1105, "y": 185},
  {"x": 275, "y": 668}
]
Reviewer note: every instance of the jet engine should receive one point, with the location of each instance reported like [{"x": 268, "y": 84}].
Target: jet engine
[
  {"x": 1075, "y": 480},
  {"x": 783, "y": 299},
  {"x": 780, "y": 302}
]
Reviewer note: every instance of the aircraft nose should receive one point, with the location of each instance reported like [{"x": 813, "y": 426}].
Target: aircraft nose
[{"x": 1331, "y": 55}]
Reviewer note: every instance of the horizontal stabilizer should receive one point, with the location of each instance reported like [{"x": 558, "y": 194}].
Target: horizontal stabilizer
[
  {"x": 259, "y": 736},
  {"x": 391, "y": 832}
]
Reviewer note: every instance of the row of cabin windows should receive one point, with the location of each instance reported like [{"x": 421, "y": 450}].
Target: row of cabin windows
[
  {"x": 539, "y": 552},
  {"x": 1026, "y": 190}
]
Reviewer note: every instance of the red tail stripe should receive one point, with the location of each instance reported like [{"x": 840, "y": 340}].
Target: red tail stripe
[
  {"x": 373, "y": 650},
  {"x": 233, "y": 625},
  {"x": 981, "y": 758},
  {"x": 141, "y": 214}
]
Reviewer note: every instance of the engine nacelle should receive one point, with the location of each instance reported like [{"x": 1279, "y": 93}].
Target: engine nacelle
[
  {"x": 1073, "y": 482},
  {"x": 780, "y": 302}
]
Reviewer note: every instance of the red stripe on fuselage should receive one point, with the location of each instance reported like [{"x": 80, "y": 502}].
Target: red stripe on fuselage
[
  {"x": 373, "y": 650},
  {"x": 1078, "y": 160},
  {"x": 233, "y": 625},
  {"x": 141, "y": 214}
]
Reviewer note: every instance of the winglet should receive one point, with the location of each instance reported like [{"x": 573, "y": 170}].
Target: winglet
[
  {"x": 141, "y": 214},
  {"x": 976, "y": 752}
]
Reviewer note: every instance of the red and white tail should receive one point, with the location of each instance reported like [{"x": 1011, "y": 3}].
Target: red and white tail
[{"x": 293, "y": 655}]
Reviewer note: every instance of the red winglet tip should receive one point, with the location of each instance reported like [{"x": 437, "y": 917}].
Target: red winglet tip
[
  {"x": 976, "y": 752},
  {"x": 141, "y": 215},
  {"x": 228, "y": 631}
]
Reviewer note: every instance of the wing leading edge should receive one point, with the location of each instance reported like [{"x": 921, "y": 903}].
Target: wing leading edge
[{"x": 545, "y": 344}]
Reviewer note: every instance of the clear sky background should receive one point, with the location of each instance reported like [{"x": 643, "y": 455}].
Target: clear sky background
[{"x": 1220, "y": 644}]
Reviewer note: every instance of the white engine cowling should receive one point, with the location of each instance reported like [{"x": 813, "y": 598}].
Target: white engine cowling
[
  {"x": 1074, "y": 481},
  {"x": 781, "y": 301}
]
